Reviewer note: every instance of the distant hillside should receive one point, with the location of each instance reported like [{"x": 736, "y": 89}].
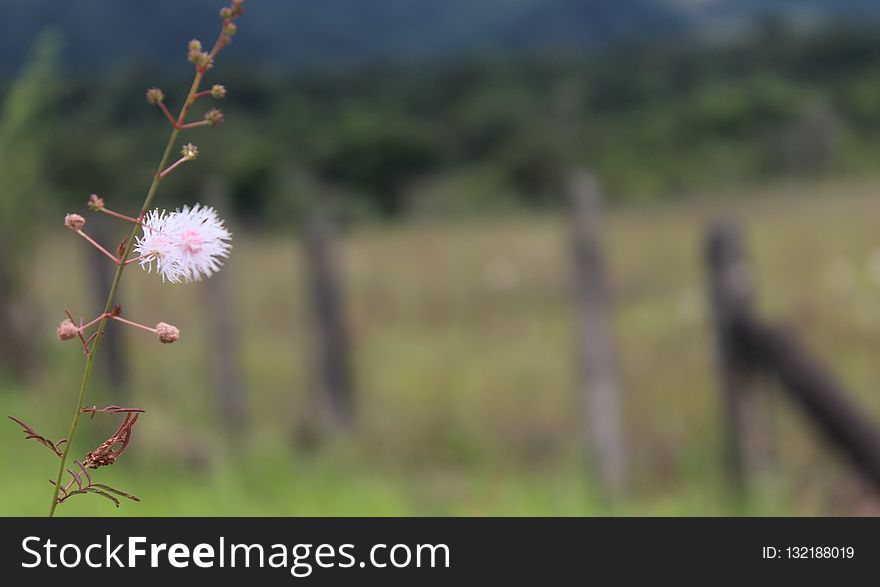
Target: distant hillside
[{"x": 307, "y": 33}]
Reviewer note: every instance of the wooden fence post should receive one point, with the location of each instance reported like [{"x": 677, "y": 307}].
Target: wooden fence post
[
  {"x": 597, "y": 360},
  {"x": 224, "y": 331},
  {"x": 745, "y": 410},
  {"x": 334, "y": 383}
]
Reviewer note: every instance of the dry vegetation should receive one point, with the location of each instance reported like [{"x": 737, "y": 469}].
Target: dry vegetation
[{"x": 464, "y": 358}]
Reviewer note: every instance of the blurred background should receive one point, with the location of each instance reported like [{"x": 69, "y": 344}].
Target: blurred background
[{"x": 469, "y": 270}]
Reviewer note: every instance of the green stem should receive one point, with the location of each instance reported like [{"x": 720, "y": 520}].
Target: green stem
[{"x": 111, "y": 298}]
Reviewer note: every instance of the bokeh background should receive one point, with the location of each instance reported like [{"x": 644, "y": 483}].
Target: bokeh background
[{"x": 397, "y": 331}]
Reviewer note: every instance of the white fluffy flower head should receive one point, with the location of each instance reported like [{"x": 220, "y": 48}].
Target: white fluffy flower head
[{"x": 184, "y": 245}]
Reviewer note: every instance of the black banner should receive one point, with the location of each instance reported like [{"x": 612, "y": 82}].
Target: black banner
[{"x": 430, "y": 550}]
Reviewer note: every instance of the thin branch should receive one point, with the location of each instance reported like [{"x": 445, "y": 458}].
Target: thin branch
[
  {"x": 118, "y": 215},
  {"x": 85, "y": 471},
  {"x": 116, "y": 491},
  {"x": 194, "y": 124},
  {"x": 79, "y": 332},
  {"x": 170, "y": 118},
  {"x": 173, "y": 166},
  {"x": 30, "y": 433},
  {"x": 103, "y": 494},
  {"x": 112, "y": 410},
  {"x": 94, "y": 243},
  {"x": 135, "y": 324}
]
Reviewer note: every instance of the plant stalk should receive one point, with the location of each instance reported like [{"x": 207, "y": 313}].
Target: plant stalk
[{"x": 111, "y": 297}]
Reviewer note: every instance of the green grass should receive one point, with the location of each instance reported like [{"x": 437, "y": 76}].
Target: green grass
[{"x": 464, "y": 340}]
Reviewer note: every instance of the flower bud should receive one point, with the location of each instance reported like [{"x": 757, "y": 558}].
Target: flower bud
[
  {"x": 202, "y": 60},
  {"x": 195, "y": 46},
  {"x": 189, "y": 151},
  {"x": 225, "y": 13},
  {"x": 218, "y": 92},
  {"x": 167, "y": 333},
  {"x": 229, "y": 29},
  {"x": 214, "y": 117},
  {"x": 74, "y": 221},
  {"x": 96, "y": 203},
  {"x": 67, "y": 330},
  {"x": 155, "y": 96}
]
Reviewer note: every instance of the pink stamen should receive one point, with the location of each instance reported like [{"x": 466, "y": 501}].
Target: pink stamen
[{"x": 191, "y": 241}]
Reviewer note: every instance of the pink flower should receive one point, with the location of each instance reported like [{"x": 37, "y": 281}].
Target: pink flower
[{"x": 185, "y": 245}]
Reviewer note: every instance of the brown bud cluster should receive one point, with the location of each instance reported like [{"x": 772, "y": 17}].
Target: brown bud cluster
[
  {"x": 214, "y": 117},
  {"x": 96, "y": 203},
  {"x": 218, "y": 92},
  {"x": 189, "y": 151},
  {"x": 228, "y": 14},
  {"x": 233, "y": 11},
  {"x": 202, "y": 60},
  {"x": 155, "y": 96}
]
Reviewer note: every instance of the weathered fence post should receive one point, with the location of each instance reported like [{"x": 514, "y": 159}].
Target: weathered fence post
[
  {"x": 334, "y": 384},
  {"x": 114, "y": 347},
  {"x": 746, "y": 413},
  {"x": 598, "y": 364},
  {"x": 224, "y": 332}
]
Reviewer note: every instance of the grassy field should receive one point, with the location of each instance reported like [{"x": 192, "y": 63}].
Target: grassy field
[{"x": 464, "y": 350}]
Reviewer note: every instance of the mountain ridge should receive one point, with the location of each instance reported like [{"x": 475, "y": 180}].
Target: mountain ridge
[{"x": 298, "y": 34}]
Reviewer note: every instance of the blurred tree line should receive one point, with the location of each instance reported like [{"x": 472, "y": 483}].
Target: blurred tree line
[{"x": 654, "y": 121}]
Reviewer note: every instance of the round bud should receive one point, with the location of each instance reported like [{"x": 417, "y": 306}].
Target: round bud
[
  {"x": 155, "y": 96},
  {"x": 74, "y": 221},
  {"x": 189, "y": 151},
  {"x": 96, "y": 203},
  {"x": 214, "y": 117},
  {"x": 167, "y": 333},
  {"x": 67, "y": 330}
]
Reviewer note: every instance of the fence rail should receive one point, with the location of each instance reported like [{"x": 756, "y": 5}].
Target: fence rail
[{"x": 748, "y": 346}]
